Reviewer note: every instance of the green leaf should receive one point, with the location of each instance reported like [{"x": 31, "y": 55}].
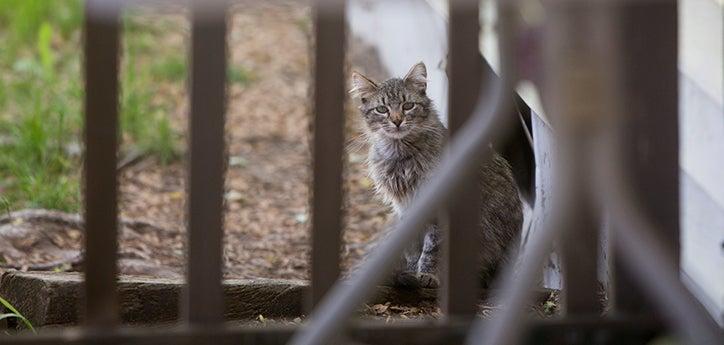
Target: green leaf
[
  {"x": 7, "y": 316},
  {"x": 45, "y": 51},
  {"x": 16, "y": 313},
  {"x": 237, "y": 75}
]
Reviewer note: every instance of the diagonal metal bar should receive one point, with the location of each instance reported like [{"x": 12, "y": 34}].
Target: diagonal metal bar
[
  {"x": 328, "y": 145},
  {"x": 648, "y": 259},
  {"x": 516, "y": 283},
  {"x": 101, "y": 143},
  {"x": 467, "y": 151},
  {"x": 203, "y": 302},
  {"x": 572, "y": 204},
  {"x": 328, "y": 319},
  {"x": 580, "y": 55}
]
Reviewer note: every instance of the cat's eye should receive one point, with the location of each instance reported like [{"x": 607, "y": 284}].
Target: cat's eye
[
  {"x": 407, "y": 106},
  {"x": 381, "y": 109}
]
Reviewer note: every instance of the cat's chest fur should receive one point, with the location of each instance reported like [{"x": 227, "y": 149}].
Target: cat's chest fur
[{"x": 398, "y": 167}]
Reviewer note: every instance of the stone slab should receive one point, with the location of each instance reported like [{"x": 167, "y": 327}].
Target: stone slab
[{"x": 49, "y": 298}]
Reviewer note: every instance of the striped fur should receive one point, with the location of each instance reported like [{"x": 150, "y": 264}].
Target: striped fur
[{"x": 406, "y": 141}]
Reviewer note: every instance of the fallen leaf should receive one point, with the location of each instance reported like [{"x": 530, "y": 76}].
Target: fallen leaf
[
  {"x": 233, "y": 196},
  {"x": 301, "y": 218},
  {"x": 366, "y": 182},
  {"x": 237, "y": 161}
]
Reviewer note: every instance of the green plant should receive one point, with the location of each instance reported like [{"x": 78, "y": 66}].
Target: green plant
[
  {"x": 40, "y": 112},
  {"x": 45, "y": 51},
  {"x": 33, "y": 162},
  {"x": 173, "y": 69},
  {"x": 15, "y": 314},
  {"x": 26, "y": 17},
  {"x": 41, "y": 97},
  {"x": 143, "y": 118},
  {"x": 238, "y": 75},
  {"x": 4, "y": 207}
]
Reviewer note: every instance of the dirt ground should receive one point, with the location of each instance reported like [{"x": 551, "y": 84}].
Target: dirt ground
[{"x": 267, "y": 225}]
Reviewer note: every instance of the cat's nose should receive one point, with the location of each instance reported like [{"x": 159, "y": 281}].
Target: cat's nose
[{"x": 397, "y": 121}]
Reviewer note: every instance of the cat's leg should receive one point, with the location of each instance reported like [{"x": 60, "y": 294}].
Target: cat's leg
[
  {"x": 428, "y": 262},
  {"x": 405, "y": 274}
]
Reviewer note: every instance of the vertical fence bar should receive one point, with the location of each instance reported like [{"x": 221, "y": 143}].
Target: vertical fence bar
[
  {"x": 460, "y": 281},
  {"x": 101, "y": 144},
  {"x": 579, "y": 245},
  {"x": 203, "y": 303},
  {"x": 650, "y": 112},
  {"x": 579, "y": 87},
  {"x": 579, "y": 254},
  {"x": 647, "y": 258},
  {"x": 329, "y": 31}
]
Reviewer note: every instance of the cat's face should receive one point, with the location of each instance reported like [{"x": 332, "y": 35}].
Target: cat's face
[{"x": 396, "y": 107}]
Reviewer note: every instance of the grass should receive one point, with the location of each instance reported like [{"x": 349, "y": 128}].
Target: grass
[
  {"x": 41, "y": 97},
  {"x": 15, "y": 314},
  {"x": 143, "y": 115},
  {"x": 39, "y": 104},
  {"x": 173, "y": 68},
  {"x": 238, "y": 75}
]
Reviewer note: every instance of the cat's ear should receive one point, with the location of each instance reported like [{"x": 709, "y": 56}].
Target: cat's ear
[
  {"x": 362, "y": 87},
  {"x": 417, "y": 77}
]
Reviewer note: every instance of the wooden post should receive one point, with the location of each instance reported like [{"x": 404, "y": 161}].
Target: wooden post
[
  {"x": 650, "y": 113},
  {"x": 101, "y": 146},
  {"x": 579, "y": 90},
  {"x": 328, "y": 147},
  {"x": 460, "y": 274},
  {"x": 203, "y": 302}
]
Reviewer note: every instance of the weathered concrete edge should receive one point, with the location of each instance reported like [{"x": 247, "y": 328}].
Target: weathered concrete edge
[{"x": 47, "y": 298}]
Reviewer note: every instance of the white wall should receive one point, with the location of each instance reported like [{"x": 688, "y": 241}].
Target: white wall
[
  {"x": 701, "y": 119},
  {"x": 407, "y": 31}
]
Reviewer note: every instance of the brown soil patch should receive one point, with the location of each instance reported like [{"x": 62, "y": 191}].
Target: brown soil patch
[
  {"x": 267, "y": 225},
  {"x": 267, "y": 201}
]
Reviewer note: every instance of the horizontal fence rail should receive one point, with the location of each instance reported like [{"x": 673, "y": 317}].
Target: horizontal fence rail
[{"x": 479, "y": 116}]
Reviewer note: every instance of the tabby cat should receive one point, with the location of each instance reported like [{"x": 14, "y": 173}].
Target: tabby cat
[{"x": 406, "y": 140}]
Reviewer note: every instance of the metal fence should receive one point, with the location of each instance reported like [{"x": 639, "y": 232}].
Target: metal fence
[{"x": 611, "y": 85}]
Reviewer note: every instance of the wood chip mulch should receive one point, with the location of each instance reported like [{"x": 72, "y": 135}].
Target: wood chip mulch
[{"x": 267, "y": 225}]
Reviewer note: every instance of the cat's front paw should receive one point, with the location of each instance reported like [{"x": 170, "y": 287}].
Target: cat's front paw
[
  {"x": 416, "y": 280},
  {"x": 406, "y": 279},
  {"x": 428, "y": 280}
]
